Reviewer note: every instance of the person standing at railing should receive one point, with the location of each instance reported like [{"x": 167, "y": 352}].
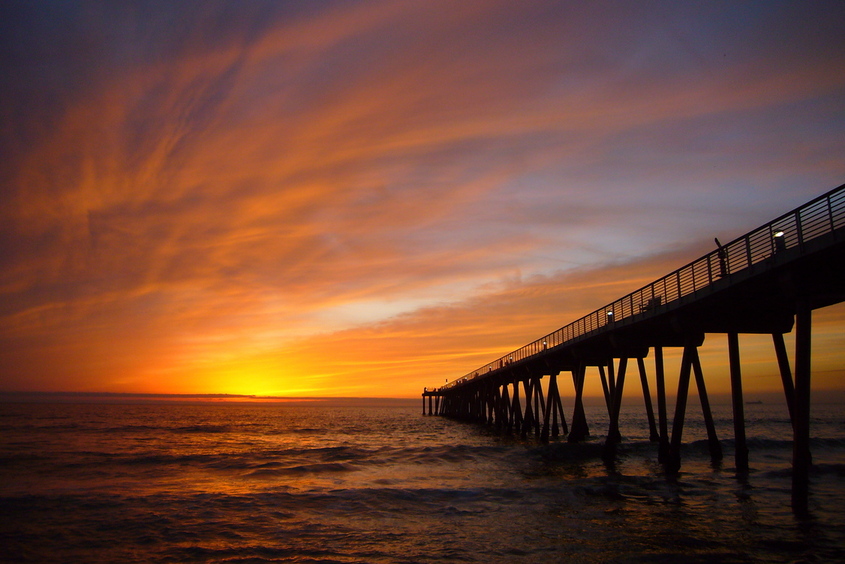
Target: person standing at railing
[{"x": 723, "y": 258}]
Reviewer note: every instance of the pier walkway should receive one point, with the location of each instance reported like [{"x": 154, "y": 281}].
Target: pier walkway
[{"x": 767, "y": 281}]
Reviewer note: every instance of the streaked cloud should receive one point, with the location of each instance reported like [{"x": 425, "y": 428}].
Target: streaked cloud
[{"x": 200, "y": 194}]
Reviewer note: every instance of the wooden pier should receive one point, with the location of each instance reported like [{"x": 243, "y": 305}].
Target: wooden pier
[{"x": 768, "y": 281}]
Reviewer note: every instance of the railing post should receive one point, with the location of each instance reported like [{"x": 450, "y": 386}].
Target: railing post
[
  {"x": 692, "y": 271},
  {"x": 748, "y": 251},
  {"x": 830, "y": 214},
  {"x": 772, "y": 243},
  {"x": 678, "y": 278},
  {"x": 710, "y": 268},
  {"x": 799, "y": 230}
]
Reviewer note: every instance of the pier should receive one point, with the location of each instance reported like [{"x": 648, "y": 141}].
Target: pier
[{"x": 767, "y": 281}]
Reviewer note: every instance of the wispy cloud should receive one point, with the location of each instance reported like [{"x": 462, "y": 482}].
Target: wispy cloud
[{"x": 196, "y": 189}]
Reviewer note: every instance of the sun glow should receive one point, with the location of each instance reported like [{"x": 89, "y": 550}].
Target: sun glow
[{"x": 256, "y": 376}]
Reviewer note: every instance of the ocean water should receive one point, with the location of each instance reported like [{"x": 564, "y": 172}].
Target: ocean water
[{"x": 257, "y": 482}]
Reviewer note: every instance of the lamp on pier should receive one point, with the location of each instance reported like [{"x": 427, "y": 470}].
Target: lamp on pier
[{"x": 780, "y": 241}]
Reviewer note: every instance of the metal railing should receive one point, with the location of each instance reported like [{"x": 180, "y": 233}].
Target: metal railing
[{"x": 818, "y": 217}]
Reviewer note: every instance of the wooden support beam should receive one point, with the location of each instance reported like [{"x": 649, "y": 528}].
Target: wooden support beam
[
  {"x": 785, "y": 374},
  {"x": 712, "y": 440},
  {"x": 501, "y": 409},
  {"x": 528, "y": 417},
  {"x": 613, "y": 434},
  {"x": 516, "y": 408},
  {"x": 605, "y": 388},
  {"x": 673, "y": 462},
  {"x": 489, "y": 404},
  {"x": 486, "y": 403},
  {"x": 539, "y": 406},
  {"x": 579, "y": 430},
  {"x": 649, "y": 410},
  {"x": 506, "y": 402},
  {"x": 550, "y": 414},
  {"x": 559, "y": 408},
  {"x": 741, "y": 447},
  {"x": 662, "y": 424},
  {"x": 801, "y": 456},
  {"x": 548, "y": 407},
  {"x": 611, "y": 377}
]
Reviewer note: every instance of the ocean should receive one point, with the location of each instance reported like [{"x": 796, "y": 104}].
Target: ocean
[{"x": 277, "y": 482}]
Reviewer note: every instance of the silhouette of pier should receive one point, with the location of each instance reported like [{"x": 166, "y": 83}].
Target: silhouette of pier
[{"x": 767, "y": 281}]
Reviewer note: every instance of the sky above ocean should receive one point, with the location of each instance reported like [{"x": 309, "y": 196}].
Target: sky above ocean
[{"x": 366, "y": 198}]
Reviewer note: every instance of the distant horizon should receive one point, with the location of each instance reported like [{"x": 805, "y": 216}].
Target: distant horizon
[
  {"x": 104, "y": 397},
  {"x": 632, "y": 399}
]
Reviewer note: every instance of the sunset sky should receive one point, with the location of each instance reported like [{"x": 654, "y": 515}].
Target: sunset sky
[{"x": 365, "y": 198}]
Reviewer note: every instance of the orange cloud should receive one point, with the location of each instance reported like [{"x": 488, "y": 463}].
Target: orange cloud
[
  {"x": 194, "y": 210},
  {"x": 429, "y": 346}
]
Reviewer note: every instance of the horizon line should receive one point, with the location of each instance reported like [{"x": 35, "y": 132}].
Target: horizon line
[
  {"x": 35, "y": 394},
  {"x": 770, "y": 396}
]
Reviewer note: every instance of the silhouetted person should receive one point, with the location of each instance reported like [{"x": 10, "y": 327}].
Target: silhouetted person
[{"x": 723, "y": 259}]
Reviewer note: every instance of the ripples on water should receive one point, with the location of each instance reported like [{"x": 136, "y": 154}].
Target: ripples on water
[{"x": 263, "y": 483}]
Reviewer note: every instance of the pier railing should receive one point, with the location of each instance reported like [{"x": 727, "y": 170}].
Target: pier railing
[{"x": 816, "y": 218}]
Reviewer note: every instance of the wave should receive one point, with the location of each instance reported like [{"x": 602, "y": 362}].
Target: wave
[
  {"x": 302, "y": 469},
  {"x": 608, "y": 518},
  {"x": 829, "y": 469},
  {"x": 202, "y": 429},
  {"x": 256, "y": 462}
]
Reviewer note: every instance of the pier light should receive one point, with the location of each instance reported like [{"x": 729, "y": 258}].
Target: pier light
[{"x": 780, "y": 241}]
